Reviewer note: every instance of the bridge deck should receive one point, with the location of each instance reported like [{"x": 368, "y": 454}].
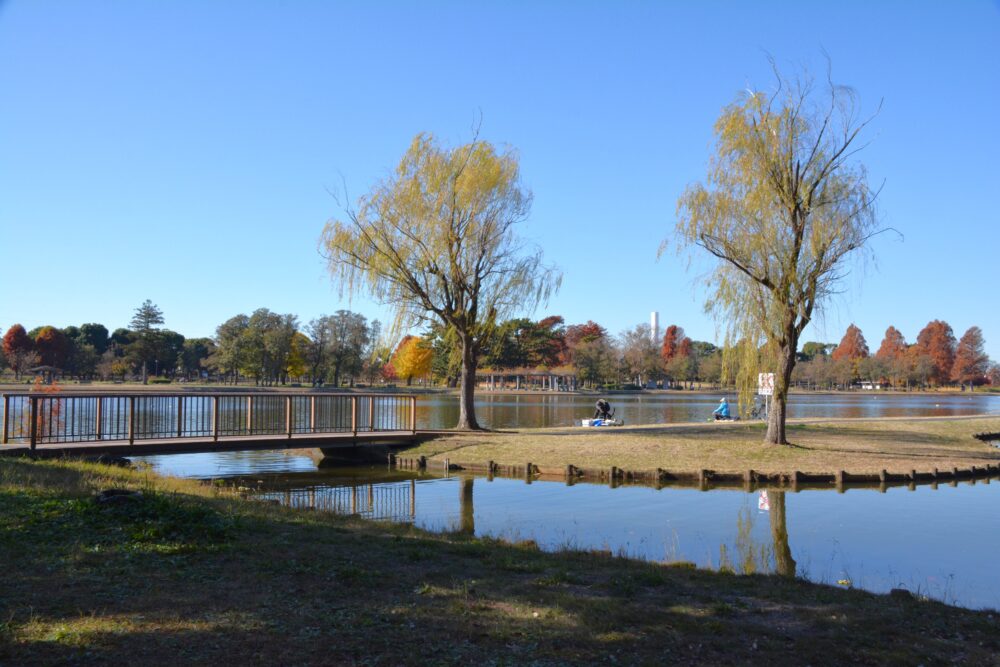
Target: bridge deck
[{"x": 227, "y": 444}]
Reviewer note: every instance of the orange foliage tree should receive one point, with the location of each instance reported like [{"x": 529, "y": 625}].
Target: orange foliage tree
[
  {"x": 17, "y": 349},
  {"x": 852, "y": 346},
  {"x": 937, "y": 341},
  {"x": 971, "y": 361},
  {"x": 51, "y": 345},
  {"x": 672, "y": 337},
  {"x": 893, "y": 345}
]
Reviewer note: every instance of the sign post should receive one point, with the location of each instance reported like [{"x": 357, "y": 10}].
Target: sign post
[{"x": 765, "y": 388}]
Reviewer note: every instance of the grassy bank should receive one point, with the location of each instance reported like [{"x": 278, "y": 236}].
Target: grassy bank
[
  {"x": 190, "y": 575},
  {"x": 896, "y": 445}
]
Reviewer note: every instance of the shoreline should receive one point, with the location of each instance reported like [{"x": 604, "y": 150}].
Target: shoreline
[{"x": 190, "y": 571}]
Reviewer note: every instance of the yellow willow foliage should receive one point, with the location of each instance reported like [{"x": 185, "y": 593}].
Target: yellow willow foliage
[
  {"x": 782, "y": 209},
  {"x": 436, "y": 240},
  {"x": 296, "y": 364}
]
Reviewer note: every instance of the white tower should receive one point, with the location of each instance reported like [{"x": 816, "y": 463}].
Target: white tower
[{"x": 654, "y": 326}]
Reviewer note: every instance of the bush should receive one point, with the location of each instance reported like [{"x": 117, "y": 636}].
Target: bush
[{"x": 158, "y": 380}]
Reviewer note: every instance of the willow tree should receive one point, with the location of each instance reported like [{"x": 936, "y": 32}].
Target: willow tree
[
  {"x": 436, "y": 240},
  {"x": 784, "y": 208}
]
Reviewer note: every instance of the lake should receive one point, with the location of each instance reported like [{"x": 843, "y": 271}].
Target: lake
[{"x": 937, "y": 542}]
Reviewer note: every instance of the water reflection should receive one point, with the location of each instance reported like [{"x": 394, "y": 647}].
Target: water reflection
[{"x": 861, "y": 535}]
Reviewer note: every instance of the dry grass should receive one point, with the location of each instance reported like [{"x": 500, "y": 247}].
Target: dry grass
[{"x": 858, "y": 446}]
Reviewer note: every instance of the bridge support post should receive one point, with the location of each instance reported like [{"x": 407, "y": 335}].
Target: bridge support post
[
  {"x": 413, "y": 415},
  {"x": 98, "y": 418},
  {"x": 249, "y": 415},
  {"x": 131, "y": 420},
  {"x": 288, "y": 416},
  {"x": 312, "y": 414}
]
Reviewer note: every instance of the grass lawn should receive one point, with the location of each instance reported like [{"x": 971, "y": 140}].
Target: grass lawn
[
  {"x": 189, "y": 574},
  {"x": 858, "y": 446}
]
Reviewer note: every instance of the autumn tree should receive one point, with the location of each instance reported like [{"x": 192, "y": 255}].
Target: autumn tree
[
  {"x": 783, "y": 210},
  {"x": 892, "y": 354},
  {"x": 672, "y": 337},
  {"x": 852, "y": 346},
  {"x": 937, "y": 342},
  {"x": 971, "y": 361},
  {"x": 51, "y": 346},
  {"x": 18, "y": 350},
  {"x": 412, "y": 358},
  {"x": 436, "y": 240},
  {"x": 640, "y": 354}
]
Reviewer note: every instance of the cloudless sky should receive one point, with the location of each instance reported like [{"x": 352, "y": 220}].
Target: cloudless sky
[{"x": 184, "y": 152}]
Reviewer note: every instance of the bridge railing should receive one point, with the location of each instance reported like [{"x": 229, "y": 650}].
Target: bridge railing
[{"x": 40, "y": 418}]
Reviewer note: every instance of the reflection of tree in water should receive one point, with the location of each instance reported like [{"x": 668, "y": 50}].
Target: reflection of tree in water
[
  {"x": 749, "y": 556},
  {"x": 468, "y": 519}
]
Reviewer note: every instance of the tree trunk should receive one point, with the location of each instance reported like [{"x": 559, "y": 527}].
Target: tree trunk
[
  {"x": 783, "y": 561},
  {"x": 782, "y": 380},
  {"x": 467, "y": 387}
]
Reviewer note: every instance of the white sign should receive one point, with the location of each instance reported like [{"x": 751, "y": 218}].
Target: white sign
[
  {"x": 763, "y": 503},
  {"x": 765, "y": 384}
]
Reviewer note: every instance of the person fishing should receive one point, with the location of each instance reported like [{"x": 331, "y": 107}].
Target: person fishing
[
  {"x": 722, "y": 412},
  {"x": 603, "y": 410}
]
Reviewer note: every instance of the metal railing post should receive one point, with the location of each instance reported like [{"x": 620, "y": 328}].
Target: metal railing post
[
  {"x": 215, "y": 418},
  {"x": 33, "y": 412},
  {"x": 99, "y": 419},
  {"x": 180, "y": 416},
  {"x": 288, "y": 415},
  {"x": 131, "y": 420},
  {"x": 354, "y": 415},
  {"x": 6, "y": 419}
]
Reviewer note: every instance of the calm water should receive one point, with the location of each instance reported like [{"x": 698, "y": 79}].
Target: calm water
[
  {"x": 941, "y": 543},
  {"x": 539, "y": 410}
]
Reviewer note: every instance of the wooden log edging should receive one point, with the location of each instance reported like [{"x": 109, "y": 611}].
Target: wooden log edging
[{"x": 705, "y": 478}]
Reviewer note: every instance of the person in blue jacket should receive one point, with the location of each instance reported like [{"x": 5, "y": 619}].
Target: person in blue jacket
[{"x": 722, "y": 412}]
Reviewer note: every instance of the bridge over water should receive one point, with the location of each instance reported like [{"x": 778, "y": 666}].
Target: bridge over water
[{"x": 143, "y": 423}]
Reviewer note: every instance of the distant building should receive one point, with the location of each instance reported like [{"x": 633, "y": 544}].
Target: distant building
[{"x": 654, "y": 326}]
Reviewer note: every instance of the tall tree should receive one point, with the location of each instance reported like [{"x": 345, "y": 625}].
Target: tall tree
[
  {"x": 18, "y": 349},
  {"x": 971, "y": 361},
  {"x": 51, "y": 346},
  {"x": 893, "y": 345},
  {"x": 672, "y": 337},
  {"x": 640, "y": 354},
  {"x": 145, "y": 328},
  {"x": 852, "y": 346},
  {"x": 937, "y": 341},
  {"x": 412, "y": 358},
  {"x": 783, "y": 210},
  {"x": 437, "y": 240},
  {"x": 96, "y": 335}
]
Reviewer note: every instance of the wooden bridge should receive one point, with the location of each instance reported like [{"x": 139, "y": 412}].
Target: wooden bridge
[{"x": 141, "y": 423}]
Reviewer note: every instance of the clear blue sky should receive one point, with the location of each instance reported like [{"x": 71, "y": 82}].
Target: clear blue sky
[{"x": 182, "y": 151}]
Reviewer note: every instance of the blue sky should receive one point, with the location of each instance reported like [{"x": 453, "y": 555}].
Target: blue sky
[{"x": 183, "y": 151}]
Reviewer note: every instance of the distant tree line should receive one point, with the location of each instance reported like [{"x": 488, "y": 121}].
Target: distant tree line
[
  {"x": 345, "y": 349},
  {"x": 936, "y": 359}
]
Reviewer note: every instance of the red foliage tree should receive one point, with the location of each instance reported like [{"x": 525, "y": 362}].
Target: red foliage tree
[
  {"x": 852, "y": 346},
  {"x": 971, "y": 361},
  {"x": 672, "y": 337},
  {"x": 893, "y": 345},
  {"x": 51, "y": 345},
  {"x": 17, "y": 349},
  {"x": 684, "y": 348},
  {"x": 16, "y": 340},
  {"x": 937, "y": 341},
  {"x": 578, "y": 334}
]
